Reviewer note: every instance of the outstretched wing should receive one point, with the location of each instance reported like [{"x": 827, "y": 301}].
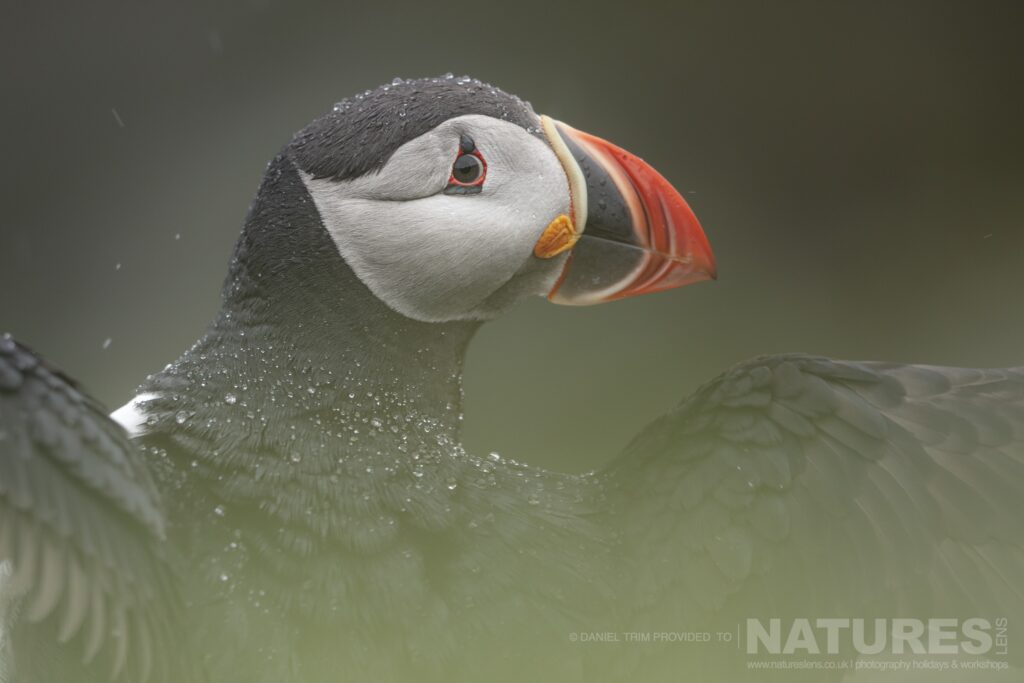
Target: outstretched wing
[
  {"x": 801, "y": 486},
  {"x": 80, "y": 529}
]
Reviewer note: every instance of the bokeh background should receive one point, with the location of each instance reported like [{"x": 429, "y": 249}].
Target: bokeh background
[{"x": 858, "y": 168}]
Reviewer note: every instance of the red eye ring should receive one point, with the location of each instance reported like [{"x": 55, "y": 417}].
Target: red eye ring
[{"x": 477, "y": 168}]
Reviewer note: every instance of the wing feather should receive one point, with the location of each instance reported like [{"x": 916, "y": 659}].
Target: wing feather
[
  {"x": 82, "y": 528},
  {"x": 804, "y": 486}
]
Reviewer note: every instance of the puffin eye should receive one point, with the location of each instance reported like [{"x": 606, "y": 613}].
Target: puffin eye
[{"x": 469, "y": 169}]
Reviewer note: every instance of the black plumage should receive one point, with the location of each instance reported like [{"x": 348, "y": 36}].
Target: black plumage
[{"x": 360, "y": 133}]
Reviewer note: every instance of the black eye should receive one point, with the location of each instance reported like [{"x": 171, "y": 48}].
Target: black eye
[{"x": 467, "y": 169}]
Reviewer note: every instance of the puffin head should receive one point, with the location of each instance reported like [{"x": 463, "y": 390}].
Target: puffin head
[{"x": 450, "y": 200}]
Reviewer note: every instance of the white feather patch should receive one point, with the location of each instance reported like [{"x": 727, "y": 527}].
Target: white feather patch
[{"x": 133, "y": 416}]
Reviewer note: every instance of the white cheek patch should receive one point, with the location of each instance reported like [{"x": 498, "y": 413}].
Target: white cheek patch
[
  {"x": 436, "y": 257},
  {"x": 412, "y": 172}
]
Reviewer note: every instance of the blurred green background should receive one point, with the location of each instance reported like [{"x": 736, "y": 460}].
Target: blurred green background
[{"x": 857, "y": 166}]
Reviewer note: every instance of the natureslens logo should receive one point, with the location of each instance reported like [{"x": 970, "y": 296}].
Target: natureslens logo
[
  {"x": 976, "y": 636},
  {"x": 841, "y": 644}
]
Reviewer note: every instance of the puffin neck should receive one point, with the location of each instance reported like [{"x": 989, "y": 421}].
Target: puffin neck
[{"x": 300, "y": 337}]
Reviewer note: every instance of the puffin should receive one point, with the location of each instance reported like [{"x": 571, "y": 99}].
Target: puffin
[{"x": 290, "y": 500}]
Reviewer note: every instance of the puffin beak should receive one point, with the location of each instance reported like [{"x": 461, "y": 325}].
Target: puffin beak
[{"x": 630, "y": 231}]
